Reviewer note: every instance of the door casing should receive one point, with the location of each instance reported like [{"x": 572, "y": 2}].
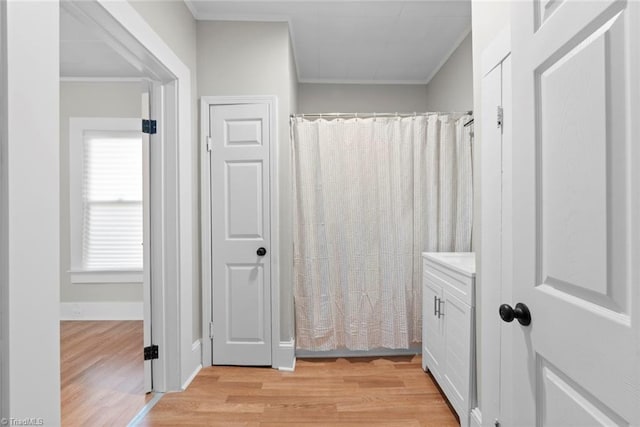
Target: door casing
[{"x": 206, "y": 202}]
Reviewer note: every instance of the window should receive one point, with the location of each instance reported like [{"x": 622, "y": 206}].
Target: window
[{"x": 106, "y": 177}]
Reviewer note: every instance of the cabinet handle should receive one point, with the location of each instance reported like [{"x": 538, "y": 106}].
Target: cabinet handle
[
  {"x": 435, "y": 305},
  {"x": 440, "y": 312}
]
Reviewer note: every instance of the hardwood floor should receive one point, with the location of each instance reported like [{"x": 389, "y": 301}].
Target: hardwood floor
[
  {"x": 384, "y": 391},
  {"x": 101, "y": 372}
]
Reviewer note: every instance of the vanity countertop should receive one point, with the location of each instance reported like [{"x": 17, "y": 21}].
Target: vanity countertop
[{"x": 462, "y": 262}]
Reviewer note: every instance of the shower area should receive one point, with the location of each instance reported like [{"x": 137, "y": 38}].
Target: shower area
[{"x": 371, "y": 193}]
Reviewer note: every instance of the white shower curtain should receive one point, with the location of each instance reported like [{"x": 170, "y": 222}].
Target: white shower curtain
[{"x": 369, "y": 196}]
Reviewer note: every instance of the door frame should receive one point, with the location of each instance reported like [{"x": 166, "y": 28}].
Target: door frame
[
  {"x": 126, "y": 31},
  {"x": 490, "y": 297},
  {"x": 206, "y": 102},
  {"x": 4, "y": 220}
]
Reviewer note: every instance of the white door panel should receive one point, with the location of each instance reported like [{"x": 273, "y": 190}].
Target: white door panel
[
  {"x": 240, "y": 225},
  {"x": 575, "y": 212},
  {"x": 245, "y": 303},
  {"x": 244, "y": 195}
]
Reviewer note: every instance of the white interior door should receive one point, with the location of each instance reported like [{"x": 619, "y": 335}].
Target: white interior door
[
  {"x": 240, "y": 204},
  {"x": 576, "y": 212}
]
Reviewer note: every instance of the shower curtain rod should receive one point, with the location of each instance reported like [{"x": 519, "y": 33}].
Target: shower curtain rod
[{"x": 369, "y": 115}]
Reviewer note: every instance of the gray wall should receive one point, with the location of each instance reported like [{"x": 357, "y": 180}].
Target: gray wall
[
  {"x": 90, "y": 100},
  {"x": 254, "y": 58},
  {"x": 361, "y": 98},
  {"x": 451, "y": 89},
  {"x": 174, "y": 23}
]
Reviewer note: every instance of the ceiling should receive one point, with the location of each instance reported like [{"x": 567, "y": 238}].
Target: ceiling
[
  {"x": 342, "y": 41},
  {"x": 83, "y": 54},
  {"x": 334, "y": 41}
]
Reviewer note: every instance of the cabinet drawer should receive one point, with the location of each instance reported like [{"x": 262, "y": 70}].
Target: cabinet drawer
[{"x": 459, "y": 285}]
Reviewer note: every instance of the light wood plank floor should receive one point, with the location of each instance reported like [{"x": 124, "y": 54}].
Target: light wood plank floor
[
  {"x": 101, "y": 372},
  {"x": 389, "y": 391}
]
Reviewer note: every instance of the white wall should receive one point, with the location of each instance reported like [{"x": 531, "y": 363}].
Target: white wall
[
  {"x": 254, "y": 58},
  {"x": 361, "y": 98},
  {"x": 451, "y": 89},
  {"x": 32, "y": 212},
  {"x": 488, "y": 19},
  {"x": 90, "y": 100}
]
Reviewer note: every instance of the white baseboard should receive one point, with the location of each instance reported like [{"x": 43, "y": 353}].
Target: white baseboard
[
  {"x": 101, "y": 311},
  {"x": 196, "y": 362},
  {"x": 286, "y": 356},
  {"x": 476, "y": 418}
]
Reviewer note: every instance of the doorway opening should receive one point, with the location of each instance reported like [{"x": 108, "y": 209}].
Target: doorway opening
[
  {"x": 127, "y": 101},
  {"x": 105, "y": 228}
]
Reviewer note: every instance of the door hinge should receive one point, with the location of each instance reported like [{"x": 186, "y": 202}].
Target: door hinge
[
  {"x": 151, "y": 352},
  {"x": 211, "y": 330},
  {"x": 149, "y": 126},
  {"x": 500, "y": 117},
  {"x": 209, "y": 144}
]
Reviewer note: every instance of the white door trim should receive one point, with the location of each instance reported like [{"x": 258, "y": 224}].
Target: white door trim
[
  {"x": 4, "y": 220},
  {"x": 490, "y": 297},
  {"x": 171, "y": 202},
  {"x": 205, "y": 103},
  {"x": 496, "y": 52}
]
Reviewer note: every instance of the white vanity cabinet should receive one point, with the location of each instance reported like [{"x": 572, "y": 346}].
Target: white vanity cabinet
[{"x": 448, "y": 331}]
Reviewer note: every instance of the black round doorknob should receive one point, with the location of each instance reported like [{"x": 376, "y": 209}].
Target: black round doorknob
[
  {"x": 521, "y": 312},
  {"x": 261, "y": 251}
]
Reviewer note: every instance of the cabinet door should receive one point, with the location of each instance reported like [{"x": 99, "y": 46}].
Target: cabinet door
[
  {"x": 457, "y": 352},
  {"x": 432, "y": 339}
]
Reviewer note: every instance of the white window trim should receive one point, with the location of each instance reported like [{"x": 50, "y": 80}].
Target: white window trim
[
  {"x": 105, "y": 276},
  {"x": 77, "y": 127}
]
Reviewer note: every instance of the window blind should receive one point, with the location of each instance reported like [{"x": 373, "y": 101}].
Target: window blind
[{"x": 112, "y": 201}]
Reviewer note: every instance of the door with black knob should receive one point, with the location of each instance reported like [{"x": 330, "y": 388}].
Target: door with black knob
[
  {"x": 240, "y": 215},
  {"x": 576, "y": 204}
]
